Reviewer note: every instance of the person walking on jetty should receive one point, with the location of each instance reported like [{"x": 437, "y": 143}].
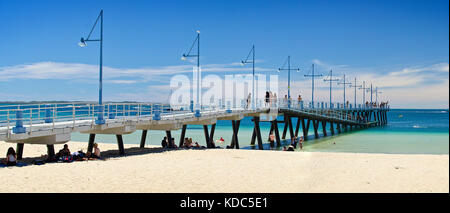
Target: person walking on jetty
[{"x": 249, "y": 97}]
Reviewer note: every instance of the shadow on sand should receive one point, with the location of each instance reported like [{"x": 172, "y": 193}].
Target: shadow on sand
[{"x": 110, "y": 154}]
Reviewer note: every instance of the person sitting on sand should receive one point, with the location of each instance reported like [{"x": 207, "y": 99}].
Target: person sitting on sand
[
  {"x": 186, "y": 143},
  {"x": 89, "y": 156},
  {"x": 290, "y": 148},
  {"x": 11, "y": 157},
  {"x": 96, "y": 153},
  {"x": 197, "y": 145},
  {"x": 64, "y": 152},
  {"x": 173, "y": 143},
  {"x": 164, "y": 142},
  {"x": 284, "y": 148}
]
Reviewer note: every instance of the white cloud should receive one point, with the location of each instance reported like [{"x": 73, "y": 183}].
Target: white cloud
[{"x": 77, "y": 71}]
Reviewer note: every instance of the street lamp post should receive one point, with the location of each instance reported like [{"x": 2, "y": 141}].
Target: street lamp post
[
  {"x": 343, "y": 85},
  {"x": 197, "y": 40},
  {"x": 355, "y": 86},
  {"x": 376, "y": 96},
  {"x": 312, "y": 84},
  {"x": 289, "y": 78},
  {"x": 364, "y": 90},
  {"x": 331, "y": 85},
  {"x": 246, "y": 61},
  {"x": 82, "y": 43}
]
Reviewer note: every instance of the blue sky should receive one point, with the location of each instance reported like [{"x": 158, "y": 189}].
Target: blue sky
[{"x": 401, "y": 46}]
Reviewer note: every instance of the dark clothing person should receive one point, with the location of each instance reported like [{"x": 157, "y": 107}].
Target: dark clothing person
[{"x": 11, "y": 157}]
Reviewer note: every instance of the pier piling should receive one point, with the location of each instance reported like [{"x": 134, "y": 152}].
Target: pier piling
[
  {"x": 50, "y": 150},
  {"x": 183, "y": 134},
  {"x": 277, "y": 133},
  {"x": 235, "y": 139},
  {"x": 143, "y": 137},
  {"x": 91, "y": 142},
  {"x": 19, "y": 150},
  {"x": 258, "y": 133},
  {"x": 120, "y": 144}
]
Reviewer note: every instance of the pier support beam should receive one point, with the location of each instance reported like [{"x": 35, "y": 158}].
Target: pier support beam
[
  {"x": 183, "y": 134},
  {"x": 316, "y": 126},
  {"x": 91, "y": 142},
  {"x": 385, "y": 117},
  {"x": 143, "y": 138},
  {"x": 297, "y": 128},
  {"x": 291, "y": 129},
  {"x": 285, "y": 127},
  {"x": 332, "y": 128},
  {"x": 324, "y": 128},
  {"x": 205, "y": 130},
  {"x": 305, "y": 129},
  {"x": 211, "y": 135},
  {"x": 19, "y": 151},
  {"x": 377, "y": 117},
  {"x": 235, "y": 139},
  {"x": 50, "y": 151},
  {"x": 270, "y": 131},
  {"x": 252, "y": 143},
  {"x": 277, "y": 133},
  {"x": 120, "y": 144},
  {"x": 169, "y": 139},
  {"x": 338, "y": 127},
  {"x": 258, "y": 133}
]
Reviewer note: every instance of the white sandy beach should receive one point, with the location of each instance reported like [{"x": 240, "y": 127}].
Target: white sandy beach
[{"x": 219, "y": 170}]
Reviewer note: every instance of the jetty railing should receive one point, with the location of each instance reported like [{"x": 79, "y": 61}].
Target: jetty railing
[{"x": 25, "y": 118}]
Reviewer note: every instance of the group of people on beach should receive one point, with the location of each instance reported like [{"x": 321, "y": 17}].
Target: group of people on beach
[
  {"x": 294, "y": 142},
  {"x": 189, "y": 143},
  {"x": 293, "y": 145},
  {"x": 63, "y": 155}
]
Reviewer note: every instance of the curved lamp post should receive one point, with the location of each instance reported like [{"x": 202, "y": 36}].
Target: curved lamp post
[
  {"x": 344, "y": 83},
  {"x": 355, "y": 86},
  {"x": 289, "y": 78},
  {"x": 247, "y": 61},
  {"x": 185, "y": 56},
  {"x": 82, "y": 43},
  {"x": 331, "y": 79},
  {"x": 312, "y": 84}
]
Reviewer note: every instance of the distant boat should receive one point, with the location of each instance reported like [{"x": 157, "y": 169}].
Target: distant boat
[{"x": 400, "y": 116}]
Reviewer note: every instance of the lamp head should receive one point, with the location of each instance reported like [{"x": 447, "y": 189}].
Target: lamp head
[
  {"x": 198, "y": 31},
  {"x": 278, "y": 70},
  {"x": 183, "y": 58},
  {"x": 82, "y": 42},
  {"x": 242, "y": 63},
  {"x": 298, "y": 70}
]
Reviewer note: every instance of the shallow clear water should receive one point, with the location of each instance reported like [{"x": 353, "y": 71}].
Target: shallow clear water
[{"x": 407, "y": 132}]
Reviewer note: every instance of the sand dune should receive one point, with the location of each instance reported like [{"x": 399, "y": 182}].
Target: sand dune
[{"x": 156, "y": 170}]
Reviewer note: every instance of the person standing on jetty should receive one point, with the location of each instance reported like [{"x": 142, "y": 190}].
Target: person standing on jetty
[{"x": 249, "y": 97}]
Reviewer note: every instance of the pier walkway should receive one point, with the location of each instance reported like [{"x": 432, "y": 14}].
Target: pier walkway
[{"x": 53, "y": 123}]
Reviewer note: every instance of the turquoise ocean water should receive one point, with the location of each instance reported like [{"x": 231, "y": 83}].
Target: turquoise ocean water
[{"x": 409, "y": 131}]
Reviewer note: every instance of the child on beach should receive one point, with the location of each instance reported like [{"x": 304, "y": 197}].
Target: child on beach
[
  {"x": 11, "y": 157},
  {"x": 96, "y": 153}
]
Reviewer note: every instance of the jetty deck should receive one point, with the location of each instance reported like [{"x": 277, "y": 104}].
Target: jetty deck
[{"x": 53, "y": 123}]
